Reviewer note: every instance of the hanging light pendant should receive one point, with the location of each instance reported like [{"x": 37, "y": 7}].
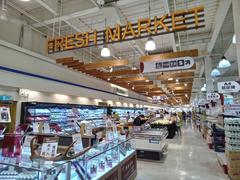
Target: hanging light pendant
[
  {"x": 224, "y": 63},
  {"x": 150, "y": 44},
  {"x": 105, "y": 52},
  {"x": 215, "y": 73}
]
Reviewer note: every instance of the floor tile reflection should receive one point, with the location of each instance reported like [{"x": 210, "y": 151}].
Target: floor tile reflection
[{"x": 188, "y": 157}]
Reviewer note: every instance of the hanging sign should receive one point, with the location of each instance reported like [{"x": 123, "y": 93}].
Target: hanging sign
[
  {"x": 213, "y": 96},
  {"x": 167, "y": 65},
  {"x": 145, "y": 27},
  {"x": 228, "y": 87}
]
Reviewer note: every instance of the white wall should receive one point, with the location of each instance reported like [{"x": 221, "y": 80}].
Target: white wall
[{"x": 23, "y": 60}]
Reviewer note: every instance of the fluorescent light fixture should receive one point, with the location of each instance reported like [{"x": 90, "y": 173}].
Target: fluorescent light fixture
[
  {"x": 170, "y": 79},
  {"x": 105, "y": 52},
  {"x": 215, "y": 73},
  {"x": 224, "y": 63},
  {"x": 150, "y": 44},
  {"x": 234, "y": 39},
  {"x": 25, "y": 0},
  {"x": 119, "y": 87}
]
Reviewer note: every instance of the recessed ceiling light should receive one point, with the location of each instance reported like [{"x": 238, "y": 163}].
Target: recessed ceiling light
[
  {"x": 108, "y": 79},
  {"x": 177, "y": 80},
  {"x": 147, "y": 80},
  {"x": 185, "y": 84},
  {"x": 133, "y": 88},
  {"x": 170, "y": 79}
]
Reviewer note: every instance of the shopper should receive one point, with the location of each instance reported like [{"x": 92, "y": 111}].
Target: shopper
[
  {"x": 138, "y": 120},
  {"x": 178, "y": 123},
  {"x": 128, "y": 116},
  {"x": 116, "y": 116}
]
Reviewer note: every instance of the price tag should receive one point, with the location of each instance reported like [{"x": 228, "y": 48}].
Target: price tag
[{"x": 78, "y": 146}]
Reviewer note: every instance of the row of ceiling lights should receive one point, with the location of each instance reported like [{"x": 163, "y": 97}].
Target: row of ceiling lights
[
  {"x": 149, "y": 46},
  {"x": 224, "y": 63}
]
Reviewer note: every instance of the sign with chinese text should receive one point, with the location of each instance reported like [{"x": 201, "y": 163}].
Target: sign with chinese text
[
  {"x": 213, "y": 96},
  {"x": 228, "y": 87},
  {"x": 232, "y": 110},
  {"x": 144, "y": 27},
  {"x": 167, "y": 65}
]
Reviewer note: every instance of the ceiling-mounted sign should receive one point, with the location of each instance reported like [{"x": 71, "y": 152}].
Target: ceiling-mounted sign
[
  {"x": 168, "y": 23},
  {"x": 228, "y": 87},
  {"x": 167, "y": 65},
  {"x": 213, "y": 96}
]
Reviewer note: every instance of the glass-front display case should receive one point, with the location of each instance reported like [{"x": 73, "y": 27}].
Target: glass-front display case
[
  {"x": 62, "y": 118},
  {"x": 106, "y": 160},
  {"x": 24, "y": 169}
]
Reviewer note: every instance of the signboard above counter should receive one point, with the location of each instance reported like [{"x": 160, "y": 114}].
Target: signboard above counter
[{"x": 180, "y": 20}]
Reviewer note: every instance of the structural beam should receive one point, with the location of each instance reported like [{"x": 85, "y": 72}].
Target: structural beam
[
  {"x": 171, "y": 36},
  {"x": 219, "y": 19},
  {"x": 236, "y": 17}
]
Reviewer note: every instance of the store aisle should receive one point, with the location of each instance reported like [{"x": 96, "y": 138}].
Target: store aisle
[{"x": 188, "y": 157}]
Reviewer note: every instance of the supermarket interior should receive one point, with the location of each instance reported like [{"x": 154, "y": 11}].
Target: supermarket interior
[{"x": 119, "y": 89}]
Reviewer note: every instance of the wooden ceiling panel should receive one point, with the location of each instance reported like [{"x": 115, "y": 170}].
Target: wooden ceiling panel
[
  {"x": 64, "y": 60},
  {"x": 133, "y": 79},
  {"x": 141, "y": 83},
  {"x": 157, "y": 57},
  {"x": 176, "y": 75},
  {"x": 106, "y": 63},
  {"x": 123, "y": 72}
]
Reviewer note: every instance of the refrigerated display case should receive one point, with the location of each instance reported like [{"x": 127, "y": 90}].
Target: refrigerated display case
[
  {"x": 24, "y": 169},
  {"x": 107, "y": 160},
  {"x": 62, "y": 118}
]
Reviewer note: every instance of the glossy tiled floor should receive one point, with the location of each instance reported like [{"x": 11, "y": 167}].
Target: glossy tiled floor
[{"x": 188, "y": 157}]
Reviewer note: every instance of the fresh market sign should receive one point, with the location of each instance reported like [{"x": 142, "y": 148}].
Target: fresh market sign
[
  {"x": 180, "y": 20},
  {"x": 228, "y": 87},
  {"x": 167, "y": 65}
]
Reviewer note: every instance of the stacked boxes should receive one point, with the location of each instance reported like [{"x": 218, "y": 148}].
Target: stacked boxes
[{"x": 232, "y": 137}]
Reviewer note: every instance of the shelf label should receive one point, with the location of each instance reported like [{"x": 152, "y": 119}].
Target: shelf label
[
  {"x": 232, "y": 110},
  {"x": 154, "y": 140}
]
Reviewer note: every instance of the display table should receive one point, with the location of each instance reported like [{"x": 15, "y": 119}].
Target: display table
[
  {"x": 150, "y": 144},
  {"x": 170, "y": 127},
  {"x": 105, "y": 161}
]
